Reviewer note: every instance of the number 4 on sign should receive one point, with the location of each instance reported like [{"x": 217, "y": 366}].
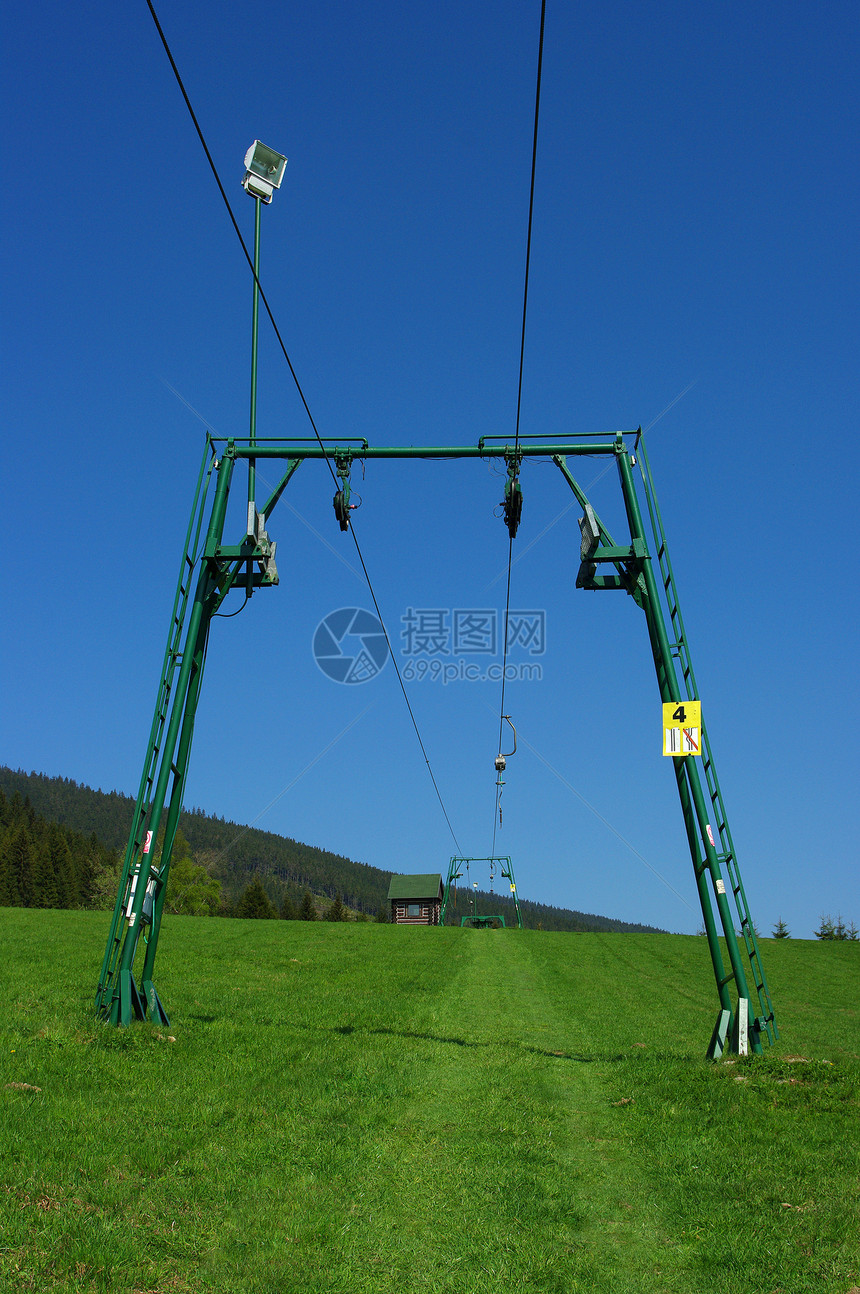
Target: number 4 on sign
[{"x": 682, "y": 728}]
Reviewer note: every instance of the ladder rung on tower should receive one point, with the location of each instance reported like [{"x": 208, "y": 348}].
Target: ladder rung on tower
[
  {"x": 172, "y": 658},
  {"x": 725, "y": 850}
]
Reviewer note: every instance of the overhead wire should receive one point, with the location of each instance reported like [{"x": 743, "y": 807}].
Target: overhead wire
[
  {"x": 282, "y": 345},
  {"x": 497, "y": 806},
  {"x": 403, "y": 690},
  {"x": 238, "y": 232}
]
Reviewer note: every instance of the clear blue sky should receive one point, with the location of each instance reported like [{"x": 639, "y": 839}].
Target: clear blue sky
[{"x": 694, "y": 223}]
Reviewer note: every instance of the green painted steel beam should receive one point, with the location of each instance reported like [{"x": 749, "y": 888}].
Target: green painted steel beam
[
  {"x": 255, "y": 316},
  {"x": 603, "y": 582},
  {"x": 243, "y": 551},
  {"x": 290, "y": 449},
  {"x": 671, "y": 691},
  {"x": 618, "y": 553},
  {"x": 273, "y": 498}
]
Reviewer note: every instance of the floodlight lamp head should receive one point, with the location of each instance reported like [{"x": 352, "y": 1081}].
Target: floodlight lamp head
[{"x": 264, "y": 171}]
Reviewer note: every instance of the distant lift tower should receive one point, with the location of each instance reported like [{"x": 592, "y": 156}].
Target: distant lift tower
[
  {"x": 639, "y": 567},
  {"x": 506, "y": 873}
]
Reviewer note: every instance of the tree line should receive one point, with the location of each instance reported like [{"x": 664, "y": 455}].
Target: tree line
[
  {"x": 254, "y": 902},
  {"x": 229, "y": 852},
  {"x": 827, "y": 929},
  {"x": 215, "y": 862},
  {"x": 838, "y": 929}
]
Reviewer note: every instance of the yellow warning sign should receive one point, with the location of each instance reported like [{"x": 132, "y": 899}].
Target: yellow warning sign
[{"x": 682, "y": 728}]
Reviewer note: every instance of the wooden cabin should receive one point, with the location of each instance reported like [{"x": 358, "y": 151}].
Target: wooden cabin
[{"x": 416, "y": 900}]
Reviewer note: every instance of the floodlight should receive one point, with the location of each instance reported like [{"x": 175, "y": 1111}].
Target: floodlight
[{"x": 264, "y": 170}]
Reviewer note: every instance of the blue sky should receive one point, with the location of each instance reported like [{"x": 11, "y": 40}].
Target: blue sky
[{"x": 694, "y": 236}]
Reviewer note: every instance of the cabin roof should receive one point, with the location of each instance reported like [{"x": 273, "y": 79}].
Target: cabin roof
[{"x": 426, "y": 885}]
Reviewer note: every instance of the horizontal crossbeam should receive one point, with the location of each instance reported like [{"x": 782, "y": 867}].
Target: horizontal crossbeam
[{"x": 298, "y": 451}]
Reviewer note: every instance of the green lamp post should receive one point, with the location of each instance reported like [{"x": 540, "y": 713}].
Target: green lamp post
[{"x": 264, "y": 171}]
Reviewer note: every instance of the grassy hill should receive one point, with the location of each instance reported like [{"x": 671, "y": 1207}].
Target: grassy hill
[
  {"x": 364, "y": 1108},
  {"x": 235, "y": 854}
]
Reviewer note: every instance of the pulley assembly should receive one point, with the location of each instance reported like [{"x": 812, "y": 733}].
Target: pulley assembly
[
  {"x": 512, "y": 503},
  {"x": 340, "y": 502},
  {"x": 342, "y": 507}
]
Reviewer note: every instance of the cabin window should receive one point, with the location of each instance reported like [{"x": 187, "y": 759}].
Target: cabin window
[{"x": 413, "y": 909}]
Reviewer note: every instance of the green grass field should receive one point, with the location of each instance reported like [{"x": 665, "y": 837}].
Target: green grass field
[{"x": 373, "y": 1108}]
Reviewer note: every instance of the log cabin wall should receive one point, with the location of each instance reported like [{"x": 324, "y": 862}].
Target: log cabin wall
[{"x": 415, "y": 912}]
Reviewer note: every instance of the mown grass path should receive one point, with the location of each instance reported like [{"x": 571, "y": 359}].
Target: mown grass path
[{"x": 366, "y": 1108}]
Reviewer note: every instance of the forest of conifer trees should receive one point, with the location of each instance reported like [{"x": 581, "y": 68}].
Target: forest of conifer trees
[
  {"x": 46, "y": 865},
  {"x": 61, "y": 844}
]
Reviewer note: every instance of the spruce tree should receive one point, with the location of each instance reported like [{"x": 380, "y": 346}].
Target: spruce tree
[
  {"x": 45, "y": 891},
  {"x": 10, "y": 896},
  {"x": 337, "y": 912},
  {"x": 62, "y": 867},
  {"x": 289, "y": 911},
  {"x": 85, "y": 877},
  {"x": 20, "y": 847},
  {"x": 15, "y": 812},
  {"x": 781, "y": 930},
  {"x": 254, "y": 902},
  {"x": 307, "y": 912}
]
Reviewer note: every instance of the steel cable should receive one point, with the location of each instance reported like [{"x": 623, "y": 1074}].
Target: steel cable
[
  {"x": 497, "y": 806},
  {"x": 268, "y": 309}
]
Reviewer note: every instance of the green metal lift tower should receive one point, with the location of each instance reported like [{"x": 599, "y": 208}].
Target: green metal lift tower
[
  {"x": 506, "y": 873},
  {"x": 211, "y": 570}
]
